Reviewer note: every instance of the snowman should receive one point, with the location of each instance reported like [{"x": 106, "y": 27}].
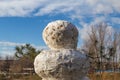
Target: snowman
[{"x": 62, "y": 61}]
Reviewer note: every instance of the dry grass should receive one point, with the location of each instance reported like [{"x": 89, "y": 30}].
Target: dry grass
[
  {"x": 34, "y": 77},
  {"x": 104, "y": 76},
  {"x": 93, "y": 76}
]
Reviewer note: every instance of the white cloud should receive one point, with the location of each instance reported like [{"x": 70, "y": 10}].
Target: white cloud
[
  {"x": 92, "y": 2},
  {"x": 103, "y": 9},
  {"x": 4, "y": 43},
  {"x": 5, "y": 53},
  {"x": 98, "y": 20},
  {"x": 42, "y": 7},
  {"x": 115, "y": 4},
  {"x": 19, "y": 7},
  {"x": 58, "y": 6},
  {"x": 115, "y": 20},
  {"x": 86, "y": 27}
]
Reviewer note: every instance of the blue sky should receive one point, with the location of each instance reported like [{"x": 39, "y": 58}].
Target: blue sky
[{"x": 22, "y": 21}]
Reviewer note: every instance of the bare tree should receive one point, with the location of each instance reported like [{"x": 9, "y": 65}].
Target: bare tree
[{"x": 102, "y": 46}]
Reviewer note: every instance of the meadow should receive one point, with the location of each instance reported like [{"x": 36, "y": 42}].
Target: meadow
[{"x": 93, "y": 76}]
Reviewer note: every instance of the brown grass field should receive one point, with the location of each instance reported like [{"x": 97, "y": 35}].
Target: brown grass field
[
  {"x": 93, "y": 76},
  {"x": 105, "y": 76}
]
